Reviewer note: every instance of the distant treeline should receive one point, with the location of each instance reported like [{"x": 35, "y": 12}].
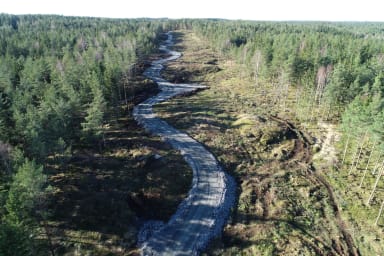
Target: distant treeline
[
  {"x": 59, "y": 76},
  {"x": 339, "y": 66}
]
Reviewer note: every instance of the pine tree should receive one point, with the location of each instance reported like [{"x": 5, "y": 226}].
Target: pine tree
[
  {"x": 94, "y": 114},
  {"x": 27, "y": 186}
]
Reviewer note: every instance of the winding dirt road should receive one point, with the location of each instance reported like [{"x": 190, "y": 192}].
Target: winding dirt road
[{"x": 202, "y": 215}]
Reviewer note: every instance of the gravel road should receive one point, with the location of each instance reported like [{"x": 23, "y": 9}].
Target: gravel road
[{"x": 202, "y": 215}]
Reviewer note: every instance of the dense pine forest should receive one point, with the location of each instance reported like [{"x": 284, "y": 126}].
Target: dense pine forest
[
  {"x": 67, "y": 88},
  {"x": 59, "y": 78}
]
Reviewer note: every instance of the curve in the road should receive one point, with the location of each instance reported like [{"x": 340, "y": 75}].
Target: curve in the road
[{"x": 202, "y": 215}]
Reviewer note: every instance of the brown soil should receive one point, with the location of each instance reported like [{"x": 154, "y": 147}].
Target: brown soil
[
  {"x": 285, "y": 207},
  {"x": 103, "y": 191}
]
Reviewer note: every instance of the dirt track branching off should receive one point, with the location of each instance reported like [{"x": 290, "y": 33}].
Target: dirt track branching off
[{"x": 285, "y": 207}]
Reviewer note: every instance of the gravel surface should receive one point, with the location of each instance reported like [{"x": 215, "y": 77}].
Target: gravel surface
[{"x": 202, "y": 215}]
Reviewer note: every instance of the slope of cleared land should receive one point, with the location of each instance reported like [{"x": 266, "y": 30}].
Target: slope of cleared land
[
  {"x": 202, "y": 214},
  {"x": 285, "y": 207}
]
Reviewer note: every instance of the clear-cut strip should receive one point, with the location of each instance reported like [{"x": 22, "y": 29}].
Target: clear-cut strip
[{"x": 201, "y": 216}]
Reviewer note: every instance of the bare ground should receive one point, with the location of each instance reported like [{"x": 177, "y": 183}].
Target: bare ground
[
  {"x": 284, "y": 207},
  {"x": 102, "y": 192}
]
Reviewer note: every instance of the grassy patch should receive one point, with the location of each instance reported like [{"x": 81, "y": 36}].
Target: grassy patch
[{"x": 283, "y": 207}]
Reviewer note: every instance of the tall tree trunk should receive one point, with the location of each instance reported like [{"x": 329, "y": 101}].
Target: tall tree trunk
[
  {"x": 376, "y": 182},
  {"x": 125, "y": 84},
  {"x": 345, "y": 148},
  {"x": 257, "y": 59},
  {"x": 353, "y": 159},
  {"x": 378, "y": 216},
  {"x": 366, "y": 167},
  {"x": 377, "y": 164},
  {"x": 361, "y": 149},
  {"x": 321, "y": 82}
]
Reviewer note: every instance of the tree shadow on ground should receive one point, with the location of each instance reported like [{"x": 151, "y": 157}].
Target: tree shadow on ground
[{"x": 108, "y": 192}]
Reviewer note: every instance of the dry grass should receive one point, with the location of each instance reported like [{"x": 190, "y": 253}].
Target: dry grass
[{"x": 283, "y": 207}]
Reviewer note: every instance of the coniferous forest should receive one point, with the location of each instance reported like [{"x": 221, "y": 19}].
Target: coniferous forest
[
  {"x": 67, "y": 89},
  {"x": 59, "y": 78}
]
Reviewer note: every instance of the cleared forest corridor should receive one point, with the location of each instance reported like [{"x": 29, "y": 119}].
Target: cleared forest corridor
[
  {"x": 202, "y": 214},
  {"x": 293, "y": 111}
]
